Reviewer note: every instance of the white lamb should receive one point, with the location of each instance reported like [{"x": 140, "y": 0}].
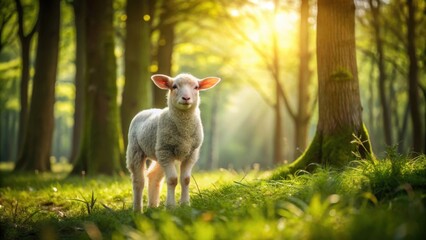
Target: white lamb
[{"x": 166, "y": 135}]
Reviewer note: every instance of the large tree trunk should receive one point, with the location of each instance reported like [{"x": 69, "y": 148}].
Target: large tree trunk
[
  {"x": 101, "y": 150},
  {"x": 38, "y": 140},
  {"x": 338, "y": 90},
  {"x": 165, "y": 49},
  {"x": 79, "y": 7},
  {"x": 303, "y": 115},
  {"x": 413, "y": 81},
  {"x": 137, "y": 92},
  {"x": 25, "y": 41},
  {"x": 387, "y": 125}
]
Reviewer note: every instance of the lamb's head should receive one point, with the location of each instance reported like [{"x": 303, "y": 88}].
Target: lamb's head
[{"x": 184, "y": 89}]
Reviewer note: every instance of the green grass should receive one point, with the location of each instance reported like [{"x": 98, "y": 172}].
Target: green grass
[{"x": 364, "y": 201}]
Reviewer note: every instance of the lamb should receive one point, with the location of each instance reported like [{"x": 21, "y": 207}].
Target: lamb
[{"x": 166, "y": 135}]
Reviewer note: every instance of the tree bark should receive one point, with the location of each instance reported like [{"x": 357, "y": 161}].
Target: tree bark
[
  {"x": 38, "y": 140},
  {"x": 25, "y": 41},
  {"x": 137, "y": 92},
  {"x": 339, "y": 102},
  {"x": 413, "y": 81},
  {"x": 79, "y": 7},
  {"x": 101, "y": 149},
  {"x": 164, "y": 49}
]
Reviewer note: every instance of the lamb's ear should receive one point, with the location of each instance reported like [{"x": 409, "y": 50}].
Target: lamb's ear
[
  {"x": 162, "y": 81},
  {"x": 208, "y": 82}
]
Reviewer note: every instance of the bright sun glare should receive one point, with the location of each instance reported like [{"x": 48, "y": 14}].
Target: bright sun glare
[{"x": 284, "y": 22}]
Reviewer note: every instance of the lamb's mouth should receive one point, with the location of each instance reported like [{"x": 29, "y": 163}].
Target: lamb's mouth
[{"x": 186, "y": 103}]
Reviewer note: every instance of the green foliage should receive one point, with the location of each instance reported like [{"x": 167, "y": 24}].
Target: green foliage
[
  {"x": 90, "y": 204},
  {"x": 361, "y": 200}
]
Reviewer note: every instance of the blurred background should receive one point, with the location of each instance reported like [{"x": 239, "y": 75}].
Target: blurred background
[{"x": 264, "y": 111}]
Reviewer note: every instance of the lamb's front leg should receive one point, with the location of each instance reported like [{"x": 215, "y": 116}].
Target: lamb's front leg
[
  {"x": 155, "y": 180},
  {"x": 185, "y": 178},
  {"x": 171, "y": 179}
]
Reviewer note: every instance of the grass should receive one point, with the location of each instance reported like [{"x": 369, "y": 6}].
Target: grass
[{"x": 370, "y": 201}]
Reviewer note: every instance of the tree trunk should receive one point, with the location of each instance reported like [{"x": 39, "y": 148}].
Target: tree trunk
[
  {"x": 38, "y": 140},
  {"x": 387, "y": 125},
  {"x": 303, "y": 116},
  {"x": 413, "y": 88},
  {"x": 25, "y": 41},
  {"x": 79, "y": 7},
  {"x": 213, "y": 158},
  {"x": 424, "y": 119},
  {"x": 137, "y": 92},
  {"x": 101, "y": 150},
  {"x": 278, "y": 137},
  {"x": 338, "y": 90},
  {"x": 164, "y": 49}
]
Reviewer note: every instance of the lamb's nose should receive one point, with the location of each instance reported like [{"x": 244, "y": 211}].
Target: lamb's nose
[{"x": 186, "y": 98}]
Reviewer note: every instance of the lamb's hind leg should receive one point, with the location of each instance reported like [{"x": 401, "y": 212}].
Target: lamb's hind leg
[
  {"x": 155, "y": 181},
  {"x": 136, "y": 166}
]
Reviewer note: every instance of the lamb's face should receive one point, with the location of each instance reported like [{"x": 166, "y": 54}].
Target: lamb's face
[
  {"x": 184, "y": 89},
  {"x": 183, "y": 93}
]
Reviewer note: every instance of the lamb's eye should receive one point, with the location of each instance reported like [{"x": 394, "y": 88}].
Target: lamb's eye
[
  {"x": 196, "y": 87},
  {"x": 175, "y": 87}
]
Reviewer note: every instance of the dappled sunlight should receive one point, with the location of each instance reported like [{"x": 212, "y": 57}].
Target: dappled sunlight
[{"x": 245, "y": 130}]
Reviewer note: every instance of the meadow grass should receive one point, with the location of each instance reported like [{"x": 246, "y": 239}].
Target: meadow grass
[{"x": 363, "y": 201}]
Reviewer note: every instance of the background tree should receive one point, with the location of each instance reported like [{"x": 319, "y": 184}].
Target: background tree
[
  {"x": 38, "y": 138},
  {"x": 165, "y": 46},
  {"x": 25, "y": 41},
  {"x": 80, "y": 14},
  {"x": 137, "y": 91},
  {"x": 8, "y": 83},
  {"x": 303, "y": 114},
  {"x": 340, "y": 111},
  {"x": 101, "y": 149},
  {"x": 273, "y": 58},
  {"x": 375, "y": 6},
  {"x": 413, "y": 80}
]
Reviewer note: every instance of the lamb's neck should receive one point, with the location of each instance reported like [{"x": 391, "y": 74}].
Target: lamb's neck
[{"x": 189, "y": 115}]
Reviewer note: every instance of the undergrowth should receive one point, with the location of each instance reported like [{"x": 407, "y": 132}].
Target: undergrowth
[{"x": 382, "y": 200}]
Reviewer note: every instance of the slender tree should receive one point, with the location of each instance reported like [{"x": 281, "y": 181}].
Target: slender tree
[
  {"x": 79, "y": 7},
  {"x": 166, "y": 43},
  {"x": 276, "y": 75},
  {"x": 340, "y": 119},
  {"x": 101, "y": 150},
  {"x": 137, "y": 91},
  {"x": 38, "y": 140},
  {"x": 301, "y": 119},
  {"x": 413, "y": 79},
  {"x": 375, "y": 6},
  {"x": 25, "y": 41}
]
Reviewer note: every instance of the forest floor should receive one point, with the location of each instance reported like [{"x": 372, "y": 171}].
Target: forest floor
[{"x": 364, "y": 201}]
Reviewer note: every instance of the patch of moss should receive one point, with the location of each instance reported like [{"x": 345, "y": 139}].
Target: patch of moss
[
  {"x": 331, "y": 150},
  {"x": 341, "y": 74}
]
